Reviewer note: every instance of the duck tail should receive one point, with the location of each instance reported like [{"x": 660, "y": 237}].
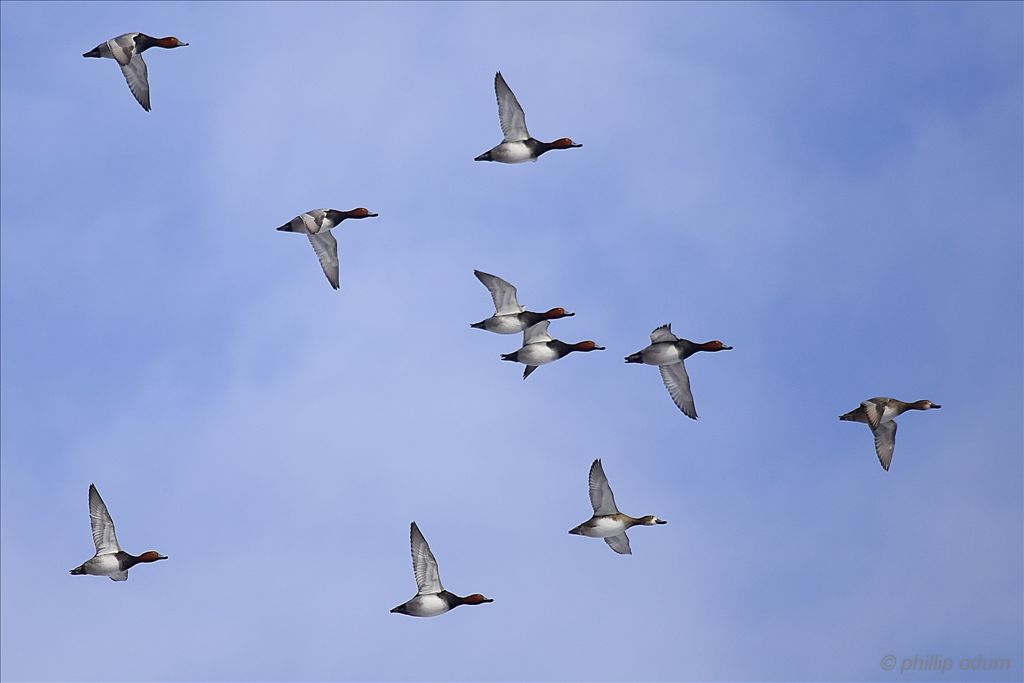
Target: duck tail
[
  {"x": 287, "y": 227},
  {"x": 486, "y": 156},
  {"x": 479, "y": 325},
  {"x": 637, "y": 357},
  {"x": 78, "y": 570},
  {"x": 510, "y": 356},
  {"x": 95, "y": 52}
]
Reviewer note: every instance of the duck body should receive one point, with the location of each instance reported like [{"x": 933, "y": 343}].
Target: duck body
[
  {"x": 539, "y": 348},
  {"x": 431, "y": 599},
  {"x": 110, "y": 560},
  {"x": 608, "y": 523},
  {"x": 509, "y": 316},
  {"x": 667, "y": 352},
  {"x": 518, "y": 145},
  {"x": 317, "y": 224},
  {"x": 126, "y": 50},
  {"x": 879, "y": 414}
]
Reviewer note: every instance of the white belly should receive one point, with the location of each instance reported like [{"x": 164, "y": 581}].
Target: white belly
[
  {"x": 660, "y": 354},
  {"x": 536, "y": 354},
  {"x": 505, "y": 324},
  {"x": 512, "y": 153},
  {"x": 103, "y": 565},
  {"x": 604, "y": 527},
  {"x": 427, "y": 606}
]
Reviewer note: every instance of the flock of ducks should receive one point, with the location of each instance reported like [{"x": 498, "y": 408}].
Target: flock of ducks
[{"x": 666, "y": 351}]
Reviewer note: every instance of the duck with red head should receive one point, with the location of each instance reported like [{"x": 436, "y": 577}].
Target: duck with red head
[
  {"x": 127, "y": 50},
  {"x": 317, "y": 224},
  {"x": 109, "y": 560},
  {"x": 879, "y": 414},
  {"x": 509, "y": 317},
  {"x": 431, "y": 598},
  {"x": 540, "y": 348},
  {"x": 517, "y": 145},
  {"x": 667, "y": 351}
]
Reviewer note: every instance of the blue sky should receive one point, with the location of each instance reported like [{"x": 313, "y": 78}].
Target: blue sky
[{"x": 833, "y": 189}]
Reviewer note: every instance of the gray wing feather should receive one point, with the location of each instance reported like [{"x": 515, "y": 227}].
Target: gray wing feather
[
  {"x": 424, "y": 566},
  {"x": 502, "y": 293},
  {"x": 537, "y": 333},
  {"x": 103, "y": 535},
  {"x": 873, "y": 411},
  {"x": 619, "y": 544},
  {"x": 885, "y": 442},
  {"x": 678, "y": 384},
  {"x": 601, "y": 496},
  {"x": 663, "y": 334},
  {"x": 513, "y": 120},
  {"x": 120, "y": 576},
  {"x": 326, "y": 248},
  {"x": 137, "y": 75}
]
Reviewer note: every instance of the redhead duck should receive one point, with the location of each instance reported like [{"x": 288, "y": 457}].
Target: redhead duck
[
  {"x": 509, "y": 317},
  {"x": 518, "y": 146},
  {"x": 879, "y": 414},
  {"x": 127, "y": 49},
  {"x": 431, "y": 599},
  {"x": 540, "y": 348},
  {"x": 608, "y": 523},
  {"x": 668, "y": 351},
  {"x": 317, "y": 225},
  {"x": 109, "y": 559}
]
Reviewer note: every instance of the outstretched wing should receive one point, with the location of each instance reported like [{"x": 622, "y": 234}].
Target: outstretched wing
[
  {"x": 103, "y": 535},
  {"x": 663, "y": 334},
  {"x": 678, "y": 384},
  {"x": 137, "y": 75},
  {"x": 326, "y": 248},
  {"x": 619, "y": 544},
  {"x": 502, "y": 292},
  {"x": 601, "y": 496},
  {"x": 885, "y": 442},
  {"x": 424, "y": 566},
  {"x": 537, "y": 333},
  {"x": 513, "y": 120}
]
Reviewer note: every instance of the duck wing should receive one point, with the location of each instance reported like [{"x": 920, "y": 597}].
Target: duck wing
[
  {"x": 885, "y": 442},
  {"x": 502, "y": 292},
  {"x": 538, "y": 333},
  {"x": 619, "y": 544},
  {"x": 663, "y": 334},
  {"x": 601, "y": 496},
  {"x": 513, "y": 120},
  {"x": 326, "y": 248},
  {"x": 424, "y": 566},
  {"x": 103, "y": 535},
  {"x": 137, "y": 75},
  {"x": 873, "y": 410},
  {"x": 120, "y": 576},
  {"x": 678, "y": 384}
]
